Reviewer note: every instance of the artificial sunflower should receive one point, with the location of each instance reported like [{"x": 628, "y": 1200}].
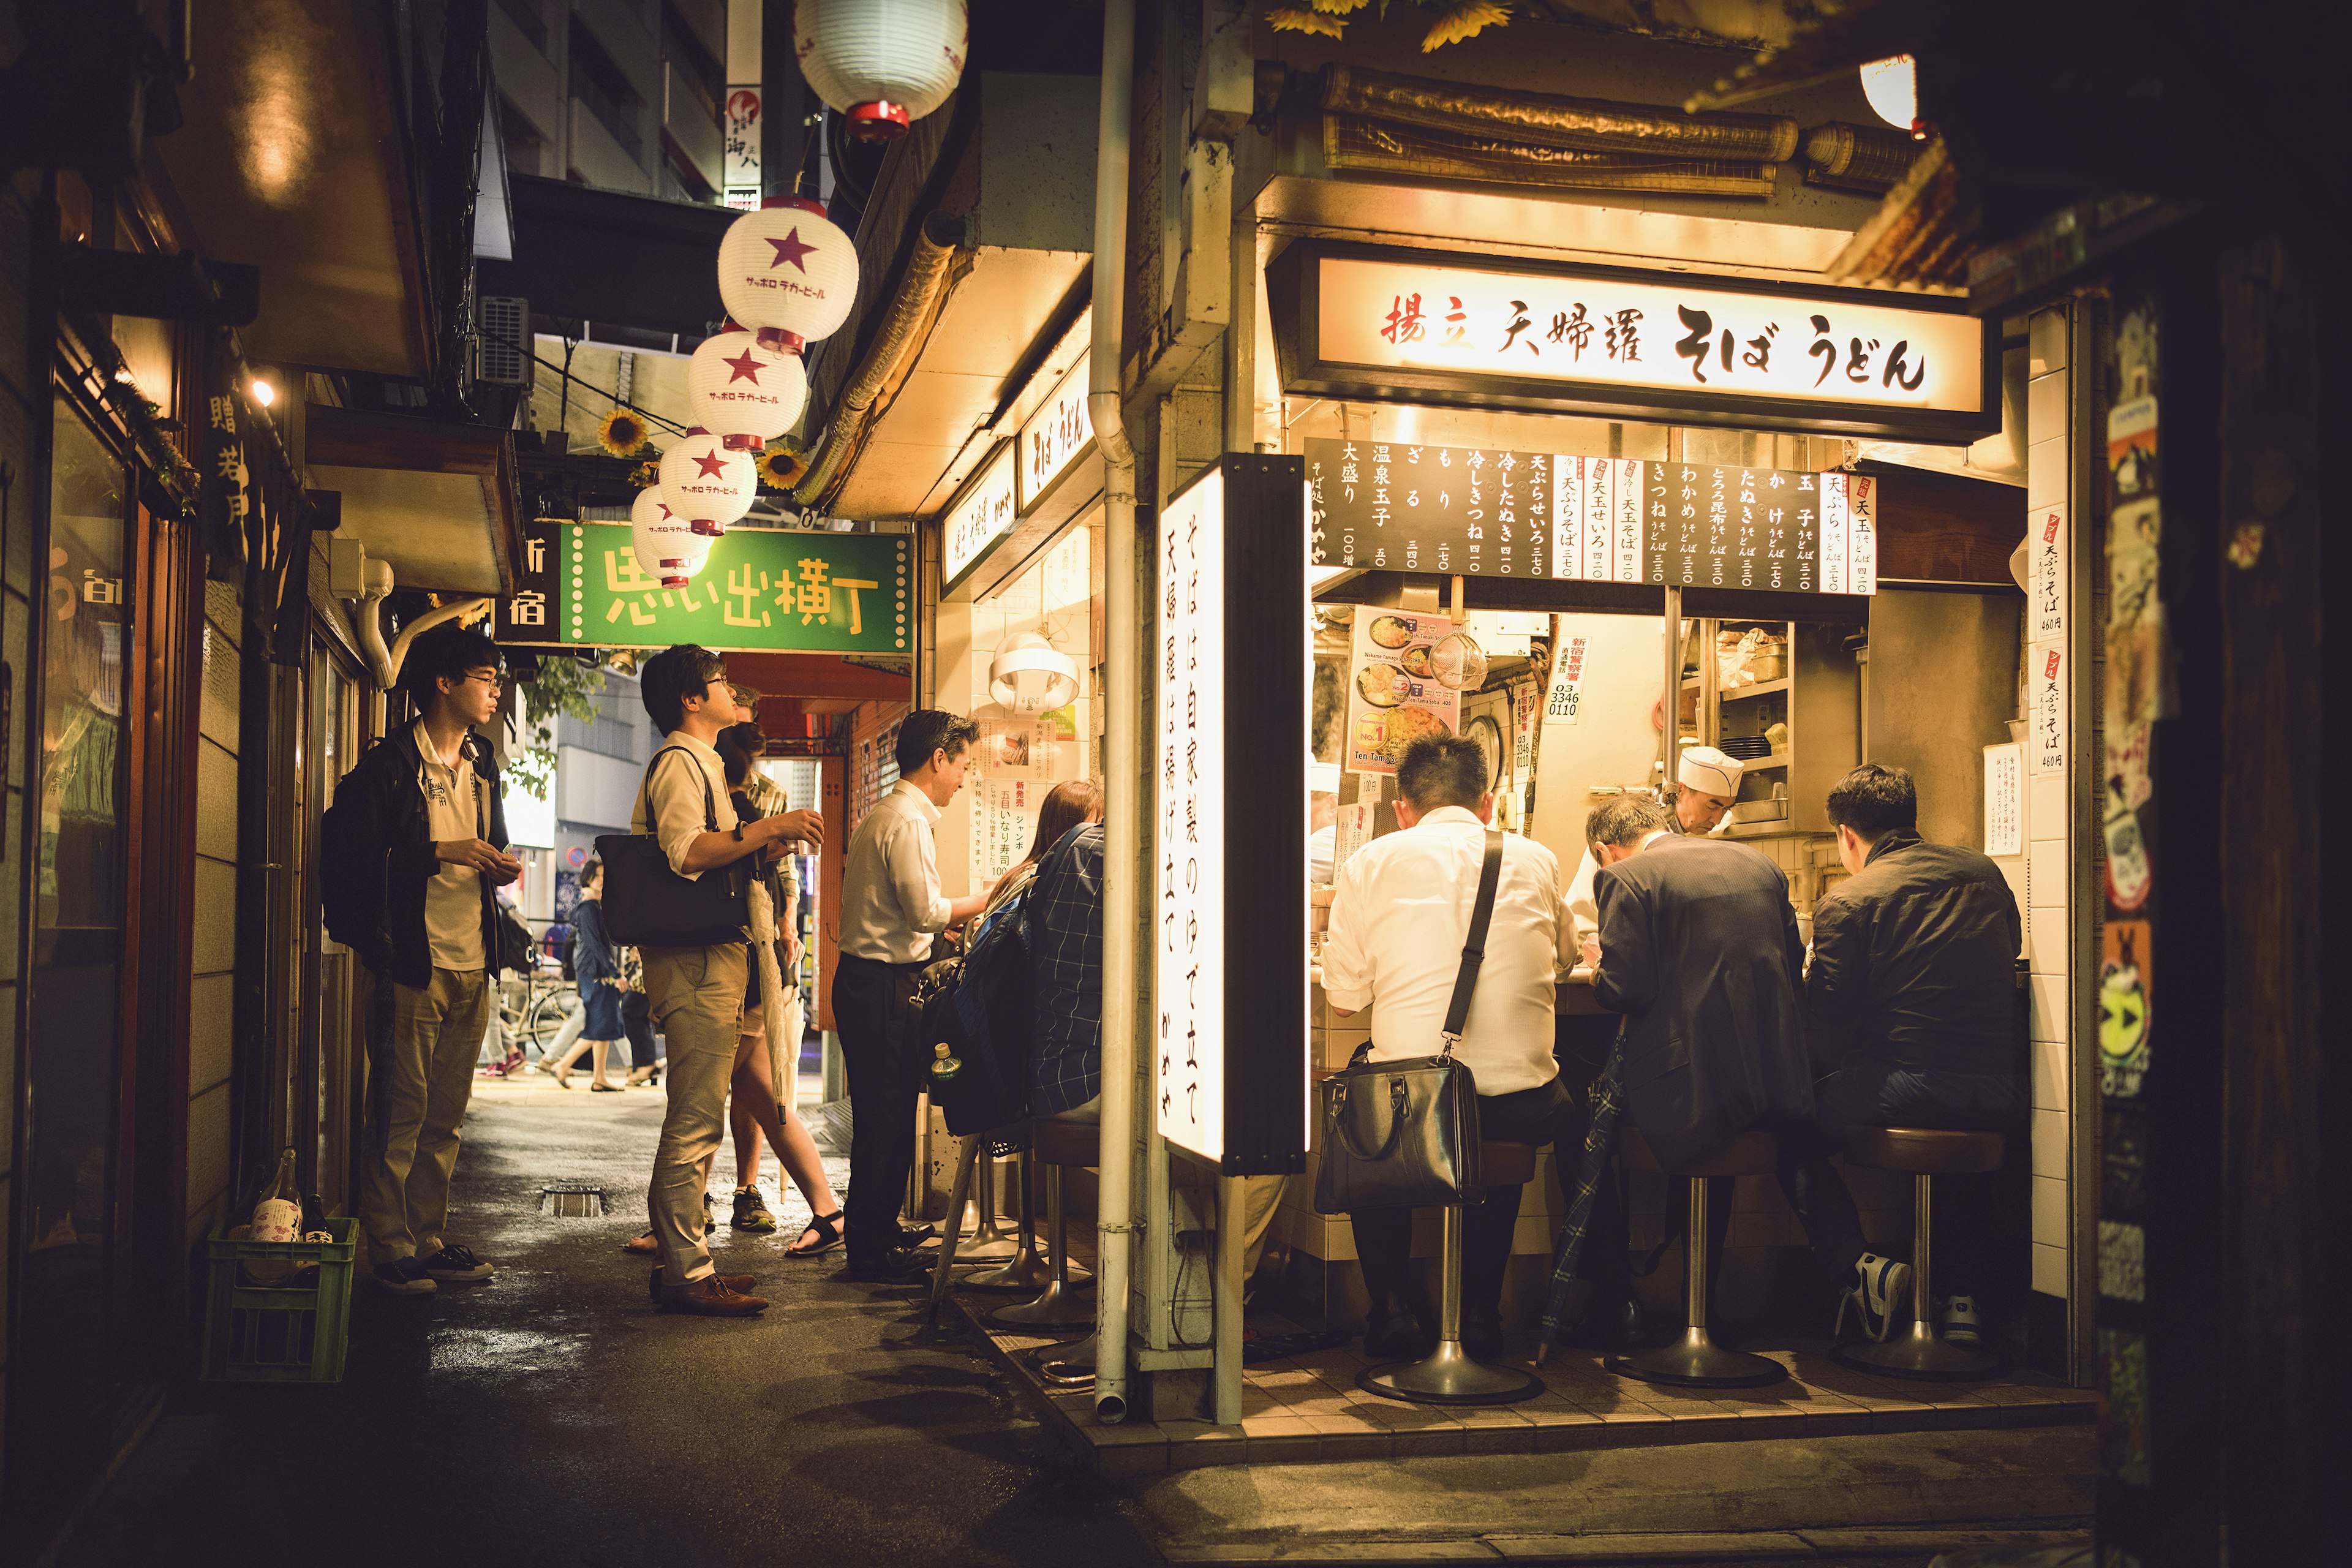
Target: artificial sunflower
[
  {"x": 646, "y": 474},
  {"x": 1300, "y": 19},
  {"x": 781, "y": 468},
  {"x": 1464, "y": 19},
  {"x": 624, "y": 433}
]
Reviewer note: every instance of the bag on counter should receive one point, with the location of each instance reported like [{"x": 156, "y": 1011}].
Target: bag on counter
[{"x": 1404, "y": 1134}]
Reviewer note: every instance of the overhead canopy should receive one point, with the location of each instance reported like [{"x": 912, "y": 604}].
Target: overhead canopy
[
  {"x": 601, "y": 256},
  {"x": 435, "y": 500}
]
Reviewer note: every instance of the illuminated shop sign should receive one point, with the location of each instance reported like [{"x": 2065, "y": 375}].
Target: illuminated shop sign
[
  {"x": 1233, "y": 660},
  {"x": 1359, "y": 321},
  {"x": 1055, "y": 436},
  {"x": 981, "y": 516}
]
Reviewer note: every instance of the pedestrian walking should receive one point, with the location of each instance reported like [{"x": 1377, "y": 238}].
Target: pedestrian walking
[
  {"x": 417, "y": 847},
  {"x": 596, "y": 968}
]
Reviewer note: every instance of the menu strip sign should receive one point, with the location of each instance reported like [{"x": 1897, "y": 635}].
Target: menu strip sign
[
  {"x": 1474, "y": 512},
  {"x": 1234, "y": 661}
]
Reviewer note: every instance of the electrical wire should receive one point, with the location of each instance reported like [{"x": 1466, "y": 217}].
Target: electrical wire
[{"x": 617, "y": 401}]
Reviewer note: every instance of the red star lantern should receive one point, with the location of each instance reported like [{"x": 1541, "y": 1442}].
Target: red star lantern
[
  {"x": 745, "y": 385},
  {"x": 787, "y": 267},
  {"x": 667, "y": 549}
]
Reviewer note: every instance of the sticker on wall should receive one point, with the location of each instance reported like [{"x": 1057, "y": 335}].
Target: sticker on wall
[
  {"x": 2123, "y": 1008},
  {"x": 2130, "y": 873},
  {"x": 2046, "y": 548},
  {"x": 2049, "y": 722},
  {"x": 2122, "y": 1261},
  {"x": 2127, "y": 776},
  {"x": 2123, "y": 1160},
  {"x": 2131, "y": 448},
  {"x": 2123, "y": 1406}
]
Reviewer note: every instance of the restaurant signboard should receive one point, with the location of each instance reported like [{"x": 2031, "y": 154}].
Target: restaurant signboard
[
  {"x": 1233, "y": 659},
  {"x": 978, "y": 520},
  {"x": 1055, "y": 435},
  {"x": 1353, "y": 321},
  {"x": 1475, "y": 513}
]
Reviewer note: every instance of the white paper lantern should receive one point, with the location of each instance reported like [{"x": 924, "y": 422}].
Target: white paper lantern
[
  {"x": 742, "y": 387},
  {"x": 710, "y": 481},
  {"x": 666, "y": 547},
  {"x": 787, "y": 267},
  {"x": 884, "y": 64}
]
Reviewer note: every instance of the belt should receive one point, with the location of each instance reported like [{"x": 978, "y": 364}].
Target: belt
[{"x": 884, "y": 962}]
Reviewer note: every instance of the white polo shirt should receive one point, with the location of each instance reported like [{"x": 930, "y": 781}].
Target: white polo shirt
[
  {"x": 1400, "y": 912},
  {"x": 452, "y": 897}
]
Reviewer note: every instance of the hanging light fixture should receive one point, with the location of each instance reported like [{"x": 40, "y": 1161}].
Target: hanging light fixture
[
  {"x": 786, "y": 267},
  {"x": 882, "y": 64},
  {"x": 1030, "y": 675},
  {"x": 664, "y": 545},
  {"x": 710, "y": 481},
  {"x": 1892, "y": 86},
  {"x": 746, "y": 383}
]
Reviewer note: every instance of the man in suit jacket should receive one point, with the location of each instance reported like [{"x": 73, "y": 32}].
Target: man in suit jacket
[{"x": 1698, "y": 947}]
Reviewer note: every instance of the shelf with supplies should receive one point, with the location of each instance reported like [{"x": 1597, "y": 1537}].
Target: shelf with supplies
[{"x": 1799, "y": 717}]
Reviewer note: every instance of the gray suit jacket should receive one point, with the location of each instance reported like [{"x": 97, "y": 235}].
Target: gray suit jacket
[{"x": 1699, "y": 949}]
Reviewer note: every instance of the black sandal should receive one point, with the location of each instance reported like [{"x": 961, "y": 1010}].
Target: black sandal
[{"x": 827, "y": 1227}]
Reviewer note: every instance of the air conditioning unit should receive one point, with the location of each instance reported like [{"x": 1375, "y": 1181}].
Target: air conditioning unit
[{"x": 502, "y": 341}]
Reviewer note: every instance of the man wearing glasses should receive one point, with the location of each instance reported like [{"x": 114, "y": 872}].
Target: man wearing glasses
[{"x": 422, "y": 850}]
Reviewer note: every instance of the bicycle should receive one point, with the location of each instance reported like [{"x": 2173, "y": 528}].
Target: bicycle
[{"x": 533, "y": 1007}]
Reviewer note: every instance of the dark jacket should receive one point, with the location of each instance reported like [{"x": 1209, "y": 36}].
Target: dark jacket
[
  {"x": 388, "y": 848},
  {"x": 1699, "y": 949},
  {"x": 1914, "y": 977},
  {"x": 592, "y": 954}
]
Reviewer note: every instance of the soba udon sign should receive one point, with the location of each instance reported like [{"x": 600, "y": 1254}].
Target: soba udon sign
[{"x": 1232, "y": 662}]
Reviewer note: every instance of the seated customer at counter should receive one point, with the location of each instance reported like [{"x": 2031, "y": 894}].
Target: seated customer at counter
[
  {"x": 1914, "y": 992},
  {"x": 1699, "y": 948},
  {"x": 1707, "y": 782},
  {"x": 1400, "y": 912}
]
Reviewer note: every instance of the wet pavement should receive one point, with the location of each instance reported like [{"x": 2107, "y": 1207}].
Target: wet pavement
[{"x": 553, "y": 1417}]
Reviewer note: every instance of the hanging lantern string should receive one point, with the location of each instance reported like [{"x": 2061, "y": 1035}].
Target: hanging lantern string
[{"x": 617, "y": 401}]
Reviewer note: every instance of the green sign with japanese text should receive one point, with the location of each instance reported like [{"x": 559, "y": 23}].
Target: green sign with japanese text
[{"x": 762, "y": 589}]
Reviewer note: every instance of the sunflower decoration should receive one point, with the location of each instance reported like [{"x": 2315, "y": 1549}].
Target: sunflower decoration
[
  {"x": 646, "y": 474},
  {"x": 780, "y": 466},
  {"x": 624, "y": 433},
  {"x": 1457, "y": 19}
]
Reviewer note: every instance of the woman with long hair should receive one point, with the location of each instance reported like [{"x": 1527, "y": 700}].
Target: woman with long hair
[{"x": 1068, "y": 803}]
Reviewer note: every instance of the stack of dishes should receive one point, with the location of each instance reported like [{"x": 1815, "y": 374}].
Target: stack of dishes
[{"x": 1747, "y": 748}]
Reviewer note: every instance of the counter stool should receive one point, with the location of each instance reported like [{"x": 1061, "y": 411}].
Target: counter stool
[
  {"x": 1056, "y": 1142},
  {"x": 970, "y": 1149},
  {"x": 987, "y": 1242},
  {"x": 1693, "y": 1359},
  {"x": 1448, "y": 1375},
  {"x": 1924, "y": 1154},
  {"x": 1024, "y": 1270}
]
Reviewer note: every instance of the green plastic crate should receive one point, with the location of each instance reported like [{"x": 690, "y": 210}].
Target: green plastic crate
[{"x": 278, "y": 1333}]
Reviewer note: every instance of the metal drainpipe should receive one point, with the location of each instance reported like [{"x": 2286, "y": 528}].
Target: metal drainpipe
[{"x": 1123, "y": 814}]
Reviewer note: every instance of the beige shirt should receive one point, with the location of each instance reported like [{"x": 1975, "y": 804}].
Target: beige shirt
[
  {"x": 453, "y": 898},
  {"x": 1399, "y": 911},
  {"x": 890, "y": 898},
  {"x": 674, "y": 793}
]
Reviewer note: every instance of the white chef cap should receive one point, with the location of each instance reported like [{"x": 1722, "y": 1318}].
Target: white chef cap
[{"x": 1709, "y": 772}]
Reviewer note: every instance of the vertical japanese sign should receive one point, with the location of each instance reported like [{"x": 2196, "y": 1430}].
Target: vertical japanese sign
[
  {"x": 2004, "y": 799},
  {"x": 2046, "y": 546},
  {"x": 738, "y": 176},
  {"x": 2049, "y": 718},
  {"x": 1565, "y": 702},
  {"x": 1849, "y": 547},
  {"x": 1233, "y": 661},
  {"x": 761, "y": 588}
]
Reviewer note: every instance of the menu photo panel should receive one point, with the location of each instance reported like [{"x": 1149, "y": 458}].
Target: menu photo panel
[{"x": 1232, "y": 662}]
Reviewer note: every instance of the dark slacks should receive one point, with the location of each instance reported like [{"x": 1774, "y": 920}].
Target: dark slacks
[
  {"x": 873, "y": 1010},
  {"x": 1966, "y": 1209},
  {"x": 1544, "y": 1114}
]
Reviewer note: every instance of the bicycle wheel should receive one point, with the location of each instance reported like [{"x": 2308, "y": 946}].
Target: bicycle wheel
[{"x": 548, "y": 1016}]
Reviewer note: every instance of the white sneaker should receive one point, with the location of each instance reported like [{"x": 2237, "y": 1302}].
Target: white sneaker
[
  {"x": 1962, "y": 1327},
  {"x": 1877, "y": 1297}
]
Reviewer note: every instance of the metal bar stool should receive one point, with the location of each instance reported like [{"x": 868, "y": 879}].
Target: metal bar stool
[
  {"x": 1449, "y": 1374},
  {"x": 1025, "y": 1270},
  {"x": 1056, "y": 1142},
  {"x": 987, "y": 1242},
  {"x": 1924, "y": 1154},
  {"x": 1692, "y": 1359}
]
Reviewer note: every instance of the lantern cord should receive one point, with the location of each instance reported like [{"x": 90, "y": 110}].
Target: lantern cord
[{"x": 617, "y": 401}]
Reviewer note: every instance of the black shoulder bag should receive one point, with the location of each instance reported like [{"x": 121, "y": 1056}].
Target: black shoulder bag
[
  {"x": 1404, "y": 1134},
  {"x": 647, "y": 904}
]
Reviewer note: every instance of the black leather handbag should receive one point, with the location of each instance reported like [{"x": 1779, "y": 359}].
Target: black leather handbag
[
  {"x": 1404, "y": 1134},
  {"x": 647, "y": 904}
]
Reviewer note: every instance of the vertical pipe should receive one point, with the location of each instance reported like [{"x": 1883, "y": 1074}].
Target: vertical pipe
[
  {"x": 1225, "y": 1365},
  {"x": 1922, "y": 1295},
  {"x": 1695, "y": 1248},
  {"x": 1123, "y": 815},
  {"x": 1449, "y": 1290}
]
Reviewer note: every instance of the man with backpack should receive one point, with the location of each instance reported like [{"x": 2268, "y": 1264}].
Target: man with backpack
[{"x": 414, "y": 850}]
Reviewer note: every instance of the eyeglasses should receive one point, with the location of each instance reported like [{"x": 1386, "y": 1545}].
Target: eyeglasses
[{"x": 493, "y": 681}]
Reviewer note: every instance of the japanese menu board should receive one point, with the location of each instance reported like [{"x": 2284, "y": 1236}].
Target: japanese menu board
[{"x": 1470, "y": 511}]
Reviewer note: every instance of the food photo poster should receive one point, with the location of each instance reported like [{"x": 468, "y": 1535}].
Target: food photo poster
[{"x": 1405, "y": 678}]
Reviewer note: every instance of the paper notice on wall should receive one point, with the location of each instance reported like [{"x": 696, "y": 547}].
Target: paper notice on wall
[
  {"x": 1032, "y": 746},
  {"x": 1397, "y": 689},
  {"x": 1563, "y": 704},
  {"x": 2048, "y": 741},
  {"x": 1003, "y": 820},
  {"x": 2046, "y": 547},
  {"x": 1351, "y": 830},
  {"x": 2004, "y": 800},
  {"x": 1523, "y": 707}
]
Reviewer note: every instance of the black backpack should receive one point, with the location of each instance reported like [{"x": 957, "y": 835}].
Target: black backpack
[
  {"x": 978, "y": 1007},
  {"x": 570, "y": 944}
]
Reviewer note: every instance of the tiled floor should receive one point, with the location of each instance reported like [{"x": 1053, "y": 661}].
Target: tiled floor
[{"x": 1308, "y": 1407}]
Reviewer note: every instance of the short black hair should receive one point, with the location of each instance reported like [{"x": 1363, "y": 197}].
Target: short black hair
[
  {"x": 1623, "y": 820},
  {"x": 445, "y": 652},
  {"x": 1874, "y": 800},
  {"x": 673, "y": 675},
  {"x": 739, "y": 747},
  {"x": 591, "y": 870},
  {"x": 1442, "y": 770},
  {"x": 928, "y": 730}
]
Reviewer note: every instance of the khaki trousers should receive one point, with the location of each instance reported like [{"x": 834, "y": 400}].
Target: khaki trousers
[
  {"x": 420, "y": 1077},
  {"x": 696, "y": 995}
]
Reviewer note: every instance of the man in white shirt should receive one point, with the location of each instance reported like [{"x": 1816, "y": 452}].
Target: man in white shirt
[
  {"x": 1400, "y": 911},
  {"x": 891, "y": 906},
  {"x": 1708, "y": 782},
  {"x": 696, "y": 993}
]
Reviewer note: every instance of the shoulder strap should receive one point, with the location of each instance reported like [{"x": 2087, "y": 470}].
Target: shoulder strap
[
  {"x": 709, "y": 806},
  {"x": 1473, "y": 946}
]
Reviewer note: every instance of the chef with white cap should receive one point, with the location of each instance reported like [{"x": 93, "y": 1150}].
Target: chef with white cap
[{"x": 1710, "y": 781}]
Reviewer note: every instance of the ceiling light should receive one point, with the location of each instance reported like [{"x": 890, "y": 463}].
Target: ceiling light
[
  {"x": 1891, "y": 85},
  {"x": 263, "y": 392},
  {"x": 1028, "y": 676}
]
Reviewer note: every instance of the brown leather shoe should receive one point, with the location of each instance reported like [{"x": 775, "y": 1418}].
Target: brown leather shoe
[
  {"x": 712, "y": 1297},
  {"x": 739, "y": 1283}
]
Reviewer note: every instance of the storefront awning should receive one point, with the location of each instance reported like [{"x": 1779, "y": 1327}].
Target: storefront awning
[{"x": 435, "y": 500}]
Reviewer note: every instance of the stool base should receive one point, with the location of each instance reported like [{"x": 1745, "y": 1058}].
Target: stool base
[
  {"x": 1694, "y": 1361},
  {"x": 1919, "y": 1355},
  {"x": 1027, "y": 1271},
  {"x": 1448, "y": 1375},
  {"x": 1057, "y": 1308},
  {"x": 1065, "y": 1366}
]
